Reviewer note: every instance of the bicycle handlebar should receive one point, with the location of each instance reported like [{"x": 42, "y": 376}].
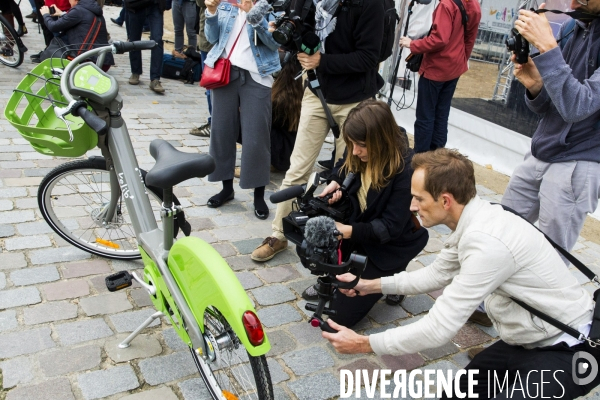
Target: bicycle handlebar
[
  {"x": 123, "y": 47},
  {"x": 96, "y": 123}
]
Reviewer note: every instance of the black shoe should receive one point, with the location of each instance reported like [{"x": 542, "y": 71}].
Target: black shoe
[
  {"x": 21, "y": 30},
  {"x": 394, "y": 299},
  {"x": 260, "y": 214},
  {"x": 215, "y": 203},
  {"x": 310, "y": 293},
  {"x": 327, "y": 164},
  {"x": 32, "y": 15},
  {"x": 114, "y": 21}
]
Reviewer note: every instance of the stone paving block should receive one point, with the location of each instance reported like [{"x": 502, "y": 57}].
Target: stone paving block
[
  {"x": 85, "y": 268},
  {"x": 19, "y": 297},
  {"x": 406, "y": 361},
  {"x": 302, "y": 270},
  {"x": 278, "y": 375},
  {"x": 413, "y": 266},
  {"x": 225, "y": 249},
  {"x": 426, "y": 259},
  {"x": 82, "y": 331},
  {"x": 316, "y": 387},
  {"x": 140, "y": 297},
  {"x": 27, "y": 203},
  {"x": 383, "y": 313},
  {"x": 247, "y": 246},
  {"x": 105, "y": 304},
  {"x": 129, "y": 321},
  {"x": 50, "y": 256},
  {"x": 411, "y": 320},
  {"x": 6, "y": 231},
  {"x": 279, "y": 274},
  {"x": 15, "y": 217},
  {"x": 442, "y": 229},
  {"x": 300, "y": 285},
  {"x": 490, "y": 330},
  {"x": 194, "y": 389},
  {"x": 12, "y": 260},
  {"x": 434, "y": 245},
  {"x": 6, "y": 205},
  {"x": 276, "y": 294},
  {"x": 103, "y": 383},
  {"x": 281, "y": 342},
  {"x": 25, "y": 342},
  {"x": 248, "y": 280},
  {"x": 200, "y": 224},
  {"x": 380, "y": 329},
  {"x": 306, "y": 334},
  {"x": 49, "y": 312},
  {"x": 15, "y": 371},
  {"x": 229, "y": 220},
  {"x": 173, "y": 340},
  {"x": 201, "y": 211},
  {"x": 205, "y": 235},
  {"x": 65, "y": 361},
  {"x": 417, "y": 304},
  {"x": 288, "y": 256},
  {"x": 239, "y": 263},
  {"x": 230, "y": 233},
  {"x": 32, "y": 276},
  {"x": 307, "y": 361},
  {"x": 168, "y": 368},
  {"x": 142, "y": 346},
  {"x": 65, "y": 289},
  {"x": 278, "y": 315},
  {"x": 469, "y": 336},
  {"x": 361, "y": 364},
  {"x": 11, "y": 193},
  {"x": 121, "y": 265},
  {"x": 461, "y": 359},
  {"x": 55, "y": 389},
  {"x": 163, "y": 393},
  {"x": 8, "y": 320},
  {"x": 439, "y": 352},
  {"x": 2, "y": 280},
  {"x": 34, "y": 228}
]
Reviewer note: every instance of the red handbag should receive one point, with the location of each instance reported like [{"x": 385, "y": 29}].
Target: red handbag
[{"x": 218, "y": 76}]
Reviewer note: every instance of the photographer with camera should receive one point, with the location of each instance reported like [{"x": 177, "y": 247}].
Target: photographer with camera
[
  {"x": 558, "y": 183},
  {"x": 492, "y": 255},
  {"x": 380, "y": 224},
  {"x": 346, "y": 66}
]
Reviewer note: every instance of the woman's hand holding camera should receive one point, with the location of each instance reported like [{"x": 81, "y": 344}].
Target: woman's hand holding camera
[{"x": 332, "y": 189}]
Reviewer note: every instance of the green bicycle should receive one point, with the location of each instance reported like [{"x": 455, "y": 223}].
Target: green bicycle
[{"x": 103, "y": 205}]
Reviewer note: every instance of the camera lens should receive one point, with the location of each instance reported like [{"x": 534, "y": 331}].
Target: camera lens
[
  {"x": 510, "y": 44},
  {"x": 283, "y": 34}
]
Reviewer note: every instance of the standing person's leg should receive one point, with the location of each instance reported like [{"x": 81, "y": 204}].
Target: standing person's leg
[
  {"x": 46, "y": 32},
  {"x": 33, "y": 11},
  {"x": 20, "y": 28},
  {"x": 204, "y": 54},
  {"x": 426, "y": 103},
  {"x": 442, "y": 112},
  {"x": 204, "y": 129},
  {"x": 178, "y": 22},
  {"x": 190, "y": 14},
  {"x": 135, "y": 21},
  {"x": 255, "y": 120},
  {"x": 155, "y": 20},
  {"x": 568, "y": 192}
]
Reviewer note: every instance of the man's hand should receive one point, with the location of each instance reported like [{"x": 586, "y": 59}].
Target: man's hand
[
  {"x": 347, "y": 341},
  {"x": 211, "y": 5},
  {"x": 309, "y": 62},
  {"x": 405, "y": 42},
  {"x": 244, "y": 5},
  {"x": 362, "y": 288},
  {"x": 332, "y": 188},
  {"x": 529, "y": 76},
  {"x": 536, "y": 29}
]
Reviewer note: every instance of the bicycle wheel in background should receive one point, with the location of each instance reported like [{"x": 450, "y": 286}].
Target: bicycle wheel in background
[
  {"x": 73, "y": 194},
  {"x": 11, "y": 52},
  {"x": 230, "y": 372}
]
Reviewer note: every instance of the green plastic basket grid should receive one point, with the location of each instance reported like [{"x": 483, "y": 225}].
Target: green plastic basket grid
[{"x": 30, "y": 111}]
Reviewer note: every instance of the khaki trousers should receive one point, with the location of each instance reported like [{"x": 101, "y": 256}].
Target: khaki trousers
[{"x": 312, "y": 130}]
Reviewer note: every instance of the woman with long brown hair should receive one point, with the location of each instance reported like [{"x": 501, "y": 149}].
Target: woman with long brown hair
[{"x": 380, "y": 225}]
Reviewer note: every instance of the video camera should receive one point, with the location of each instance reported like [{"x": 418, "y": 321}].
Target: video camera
[
  {"x": 312, "y": 228},
  {"x": 295, "y": 27}
]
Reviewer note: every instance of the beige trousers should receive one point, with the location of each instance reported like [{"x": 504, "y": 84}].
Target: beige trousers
[{"x": 312, "y": 130}]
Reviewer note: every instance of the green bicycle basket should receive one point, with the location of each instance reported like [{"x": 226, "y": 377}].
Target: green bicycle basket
[{"x": 45, "y": 132}]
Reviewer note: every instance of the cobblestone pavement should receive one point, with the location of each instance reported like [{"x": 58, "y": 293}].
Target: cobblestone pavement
[{"x": 59, "y": 326}]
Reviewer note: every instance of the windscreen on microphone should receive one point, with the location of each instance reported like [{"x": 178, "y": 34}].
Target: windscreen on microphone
[
  {"x": 310, "y": 43},
  {"x": 319, "y": 231},
  {"x": 258, "y": 11},
  {"x": 287, "y": 194}
]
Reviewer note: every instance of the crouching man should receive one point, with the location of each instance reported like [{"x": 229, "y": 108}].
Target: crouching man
[{"x": 491, "y": 255}]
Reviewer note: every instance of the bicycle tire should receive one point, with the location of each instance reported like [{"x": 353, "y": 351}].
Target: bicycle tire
[
  {"x": 233, "y": 370},
  {"x": 9, "y": 41},
  {"x": 57, "y": 196}
]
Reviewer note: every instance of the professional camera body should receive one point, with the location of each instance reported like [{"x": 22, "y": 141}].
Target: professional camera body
[
  {"x": 296, "y": 25},
  {"x": 519, "y": 46}
]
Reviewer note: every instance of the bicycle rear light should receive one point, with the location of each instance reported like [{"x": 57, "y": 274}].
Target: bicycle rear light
[{"x": 254, "y": 329}]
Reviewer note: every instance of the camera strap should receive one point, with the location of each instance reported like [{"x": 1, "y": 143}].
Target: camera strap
[
  {"x": 575, "y": 14},
  {"x": 593, "y": 337}
]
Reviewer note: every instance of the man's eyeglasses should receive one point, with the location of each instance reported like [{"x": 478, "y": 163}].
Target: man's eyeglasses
[{"x": 583, "y": 2}]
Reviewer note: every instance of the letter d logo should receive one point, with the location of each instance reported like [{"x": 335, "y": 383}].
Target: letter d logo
[{"x": 579, "y": 368}]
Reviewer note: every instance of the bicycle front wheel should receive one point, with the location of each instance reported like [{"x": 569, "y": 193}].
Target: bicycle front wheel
[
  {"x": 73, "y": 198},
  {"x": 229, "y": 372},
  {"x": 10, "y": 52}
]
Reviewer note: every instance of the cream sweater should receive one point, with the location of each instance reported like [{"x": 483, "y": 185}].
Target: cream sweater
[{"x": 492, "y": 255}]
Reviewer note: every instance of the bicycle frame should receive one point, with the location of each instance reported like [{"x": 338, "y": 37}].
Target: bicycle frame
[{"x": 173, "y": 273}]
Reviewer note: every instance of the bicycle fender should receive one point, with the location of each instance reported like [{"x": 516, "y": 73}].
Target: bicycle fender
[{"x": 205, "y": 279}]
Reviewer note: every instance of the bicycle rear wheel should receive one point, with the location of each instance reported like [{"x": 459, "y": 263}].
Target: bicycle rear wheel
[
  {"x": 73, "y": 196},
  {"x": 229, "y": 372},
  {"x": 10, "y": 51}
]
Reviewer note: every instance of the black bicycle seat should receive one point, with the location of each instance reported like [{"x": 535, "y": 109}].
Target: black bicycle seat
[{"x": 174, "y": 166}]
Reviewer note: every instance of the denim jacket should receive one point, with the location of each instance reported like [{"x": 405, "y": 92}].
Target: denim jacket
[{"x": 218, "y": 29}]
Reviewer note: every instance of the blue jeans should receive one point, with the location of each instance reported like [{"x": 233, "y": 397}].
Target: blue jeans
[
  {"x": 134, "y": 24},
  {"x": 203, "y": 55},
  {"x": 433, "y": 108},
  {"x": 184, "y": 14},
  {"x": 122, "y": 16}
]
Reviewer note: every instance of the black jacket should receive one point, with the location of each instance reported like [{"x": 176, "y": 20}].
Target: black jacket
[
  {"x": 384, "y": 232},
  {"x": 348, "y": 70},
  {"x": 76, "y": 23}
]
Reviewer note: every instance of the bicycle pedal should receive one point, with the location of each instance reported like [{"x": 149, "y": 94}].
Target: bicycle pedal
[{"x": 118, "y": 281}]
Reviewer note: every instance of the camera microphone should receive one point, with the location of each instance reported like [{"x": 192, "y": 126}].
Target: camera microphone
[
  {"x": 256, "y": 14},
  {"x": 320, "y": 232},
  {"x": 287, "y": 194}
]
